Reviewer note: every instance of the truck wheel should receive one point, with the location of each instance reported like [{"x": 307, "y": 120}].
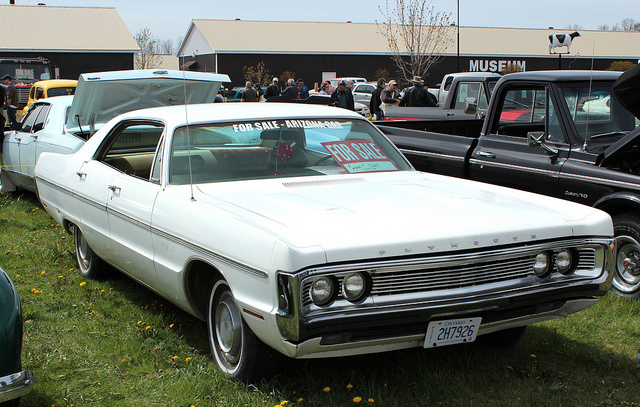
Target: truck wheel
[
  {"x": 90, "y": 265},
  {"x": 237, "y": 351},
  {"x": 626, "y": 280},
  {"x": 502, "y": 339}
]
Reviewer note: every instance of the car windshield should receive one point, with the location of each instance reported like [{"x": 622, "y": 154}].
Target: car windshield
[
  {"x": 596, "y": 112},
  {"x": 279, "y": 148},
  {"x": 67, "y": 90}
]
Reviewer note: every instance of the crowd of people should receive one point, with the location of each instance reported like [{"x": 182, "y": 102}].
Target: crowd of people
[{"x": 384, "y": 96}]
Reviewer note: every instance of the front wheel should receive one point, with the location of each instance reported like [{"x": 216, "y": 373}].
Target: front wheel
[
  {"x": 237, "y": 351},
  {"x": 90, "y": 265},
  {"x": 626, "y": 280}
]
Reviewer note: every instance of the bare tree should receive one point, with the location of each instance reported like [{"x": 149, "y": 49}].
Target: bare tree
[
  {"x": 604, "y": 27},
  {"x": 417, "y": 36},
  {"x": 166, "y": 47},
  {"x": 573, "y": 27},
  {"x": 148, "y": 57},
  {"x": 628, "y": 24}
]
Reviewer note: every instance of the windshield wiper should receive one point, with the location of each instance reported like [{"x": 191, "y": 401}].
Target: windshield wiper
[{"x": 611, "y": 133}]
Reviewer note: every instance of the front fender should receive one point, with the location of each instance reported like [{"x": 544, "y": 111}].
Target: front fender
[{"x": 619, "y": 202}]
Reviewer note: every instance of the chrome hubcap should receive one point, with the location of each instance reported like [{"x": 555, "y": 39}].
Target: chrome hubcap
[
  {"x": 627, "y": 277},
  {"x": 228, "y": 326}
]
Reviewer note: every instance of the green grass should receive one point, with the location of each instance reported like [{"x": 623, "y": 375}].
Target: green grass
[{"x": 114, "y": 343}]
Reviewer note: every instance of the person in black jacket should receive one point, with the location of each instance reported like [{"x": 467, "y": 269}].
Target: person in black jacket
[
  {"x": 374, "y": 105},
  {"x": 627, "y": 90},
  {"x": 417, "y": 96},
  {"x": 272, "y": 90},
  {"x": 342, "y": 96}
]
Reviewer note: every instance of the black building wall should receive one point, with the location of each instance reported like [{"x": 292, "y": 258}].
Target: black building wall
[
  {"x": 71, "y": 65},
  {"x": 310, "y": 67}
]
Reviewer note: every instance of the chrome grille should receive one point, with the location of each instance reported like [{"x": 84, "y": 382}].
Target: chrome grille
[{"x": 439, "y": 274}]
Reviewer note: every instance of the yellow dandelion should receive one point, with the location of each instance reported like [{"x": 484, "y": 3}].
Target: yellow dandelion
[
  {"x": 327, "y": 389},
  {"x": 187, "y": 360},
  {"x": 300, "y": 400},
  {"x": 101, "y": 291},
  {"x": 71, "y": 269},
  {"x": 17, "y": 275},
  {"x": 60, "y": 277},
  {"x": 82, "y": 284},
  {"x": 171, "y": 326},
  {"x": 533, "y": 356},
  {"x": 283, "y": 402},
  {"x": 43, "y": 272},
  {"x": 140, "y": 323},
  {"x": 147, "y": 327},
  {"x": 90, "y": 304},
  {"x": 357, "y": 399},
  {"x": 156, "y": 348},
  {"x": 370, "y": 400},
  {"x": 175, "y": 358},
  {"x": 123, "y": 360},
  {"x": 349, "y": 386}
]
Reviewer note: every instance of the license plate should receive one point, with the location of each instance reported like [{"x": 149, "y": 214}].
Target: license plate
[{"x": 451, "y": 331}]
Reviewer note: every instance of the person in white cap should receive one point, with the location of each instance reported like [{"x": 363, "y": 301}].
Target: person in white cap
[{"x": 272, "y": 90}]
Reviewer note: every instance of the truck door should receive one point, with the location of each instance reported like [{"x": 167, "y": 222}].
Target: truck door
[{"x": 505, "y": 157}]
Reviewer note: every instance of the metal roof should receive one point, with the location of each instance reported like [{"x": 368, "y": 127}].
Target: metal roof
[
  {"x": 64, "y": 29},
  {"x": 239, "y": 36}
]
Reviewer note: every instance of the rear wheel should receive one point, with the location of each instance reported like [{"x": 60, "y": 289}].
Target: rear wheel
[
  {"x": 90, "y": 265},
  {"x": 236, "y": 350},
  {"x": 626, "y": 280}
]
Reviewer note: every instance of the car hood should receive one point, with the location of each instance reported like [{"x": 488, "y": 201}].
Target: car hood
[
  {"x": 390, "y": 215},
  {"x": 102, "y": 96},
  {"x": 615, "y": 150}
]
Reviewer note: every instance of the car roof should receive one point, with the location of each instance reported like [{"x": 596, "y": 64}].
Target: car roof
[{"x": 241, "y": 112}]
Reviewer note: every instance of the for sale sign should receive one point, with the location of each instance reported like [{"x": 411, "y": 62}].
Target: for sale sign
[{"x": 359, "y": 156}]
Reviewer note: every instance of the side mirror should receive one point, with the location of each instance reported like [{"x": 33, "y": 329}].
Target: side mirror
[
  {"x": 470, "y": 105},
  {"x": 536, "y": 138}
]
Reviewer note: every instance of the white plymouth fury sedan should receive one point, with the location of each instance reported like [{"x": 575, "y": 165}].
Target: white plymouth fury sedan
[
  {"x": 62, "y": 124},
  {"x": 301, "y": 230}
]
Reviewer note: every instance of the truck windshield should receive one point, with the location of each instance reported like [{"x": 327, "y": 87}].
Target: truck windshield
[
  {"x": 25, "y": 71},
  {"x": 596, "y": 112}
]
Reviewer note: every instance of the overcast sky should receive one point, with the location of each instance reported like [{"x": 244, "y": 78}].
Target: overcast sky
[{"x": 170, "y": 19}]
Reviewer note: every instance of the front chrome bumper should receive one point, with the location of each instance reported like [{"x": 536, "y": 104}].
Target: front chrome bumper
[
  {"x": 16, "y": 385},
  {"x": 314, "y": 348}
]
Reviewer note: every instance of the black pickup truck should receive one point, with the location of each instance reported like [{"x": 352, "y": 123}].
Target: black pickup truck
[
  {"x": 557, "y": 133},
  {"x": 454, "y": 90}
]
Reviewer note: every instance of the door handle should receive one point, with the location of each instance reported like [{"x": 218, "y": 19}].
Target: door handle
[
  {"x": 81, "y": 174},
  {"x": 486, "y": 154},
  {"x": 448, "y": 114},
  {"x": 114, "y": 188}
]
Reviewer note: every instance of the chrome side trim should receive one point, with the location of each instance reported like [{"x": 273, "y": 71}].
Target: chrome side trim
[
  {"x": 513, "y": 167},
  {"x": 160, "y": 232},
  {"x": 430, "y": 154},
  {"x": 601, "y": 181}
]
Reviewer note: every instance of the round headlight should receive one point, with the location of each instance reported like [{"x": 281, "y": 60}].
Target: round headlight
[
  {"x": 541, "y": 266},
  {"x": 354, "y": 286},
  {"x": 564, "y": 261},
  {"x": 322, "y": 291}
]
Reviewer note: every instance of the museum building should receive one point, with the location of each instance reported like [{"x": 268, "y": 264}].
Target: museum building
[{"x": 318, "y": 50}]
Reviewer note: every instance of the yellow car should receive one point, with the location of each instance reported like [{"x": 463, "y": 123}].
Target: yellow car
[{"x": 50, "y": 88}]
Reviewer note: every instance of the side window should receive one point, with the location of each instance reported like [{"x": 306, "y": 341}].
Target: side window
[
  {"x": 368, "y": 89},
  {"x": 522, "y": 110},
  {"x": 483, "y": 103},
  {"x": 30, "y": 118},
  {"x": 39, "y": 93},
  {"x": 42, "y": 117},
  {"x": 131, "y": 148},
  {"x": 465, "y": 90}
]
